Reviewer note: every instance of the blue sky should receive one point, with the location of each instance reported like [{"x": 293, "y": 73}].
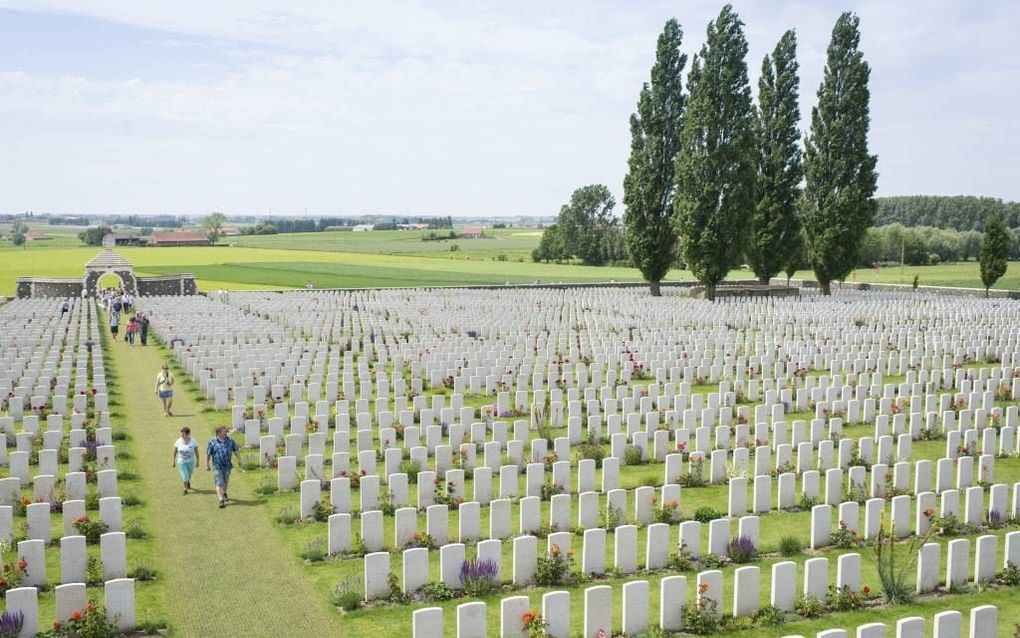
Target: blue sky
[{"x": 456, "y": 107}]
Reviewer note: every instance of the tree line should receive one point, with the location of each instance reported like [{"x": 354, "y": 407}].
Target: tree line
[
  {"x": 959, "y": 212},
  {"x": 716, "y": 179}
]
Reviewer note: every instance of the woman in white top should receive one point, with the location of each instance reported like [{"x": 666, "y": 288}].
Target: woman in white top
[{"x": 185, "y": 457}]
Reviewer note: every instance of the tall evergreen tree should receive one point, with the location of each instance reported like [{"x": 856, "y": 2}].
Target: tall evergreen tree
[
  {"x": 994, "y": 252},
  {"x": 715, "y": 166},
  {"x": 839, "y": 171},
  {"x": 649, "y": 185},
  {"x": 775, "y": 224}
]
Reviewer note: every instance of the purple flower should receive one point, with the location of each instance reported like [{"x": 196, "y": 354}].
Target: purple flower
[
  {"x": 741, "y": 550},
  {"x": 11, "y": 623},
  {"x": 478, "y": 571}
]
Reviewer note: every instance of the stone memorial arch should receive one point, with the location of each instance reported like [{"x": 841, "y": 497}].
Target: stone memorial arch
[{"x": 107, "y": 262}]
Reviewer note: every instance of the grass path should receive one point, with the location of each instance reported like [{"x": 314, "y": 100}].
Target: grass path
[{"x": 224, "y": 572}]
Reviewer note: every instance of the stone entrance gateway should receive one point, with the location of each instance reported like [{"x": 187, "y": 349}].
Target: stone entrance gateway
[{"x": 107, "y": 262}]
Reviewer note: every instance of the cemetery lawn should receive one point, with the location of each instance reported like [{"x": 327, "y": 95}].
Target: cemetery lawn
[
  {"x": 217, "y": 562},
  {"x": 384, "y": 258},
  {"x": 221, "y": 572}
]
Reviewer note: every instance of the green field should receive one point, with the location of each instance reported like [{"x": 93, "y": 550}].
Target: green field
[{"x": 384, "y": 258}]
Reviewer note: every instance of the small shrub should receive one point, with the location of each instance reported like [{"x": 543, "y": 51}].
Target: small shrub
[
  {"x": 681, "y": 560},
  {"x": 1011, "y": 575},
  {"x": 90, "y": 622},
  {"x": 347, "y": 594},
  {"x": 266, "y": 486},
  {"x": 417, "y": 539},
  {"x": 314, "y": 551},
  {"x": 707, "y": 514},
  {"x": 433, "y": 592},
  {"x": 701, "y": 617},
  {"x": 90, "y": 529},
  {"x": 592, "y": 449},
  {"x": 790, "y": 546},
  {"x": 132, "y": 500},
  {"x": 143, "y": 571},
  {"x": 741, "y": 550},
  {"x": 669, "y": 512},
  {"x": 322, "y": 511},
  {"x": 411, "y": 469},
  {"x": 135, "y": 530},
  {"x": 93, "y": 571},
  {"x": 610, "y": 518},
  {"x": 287, "y": 516},
  {"x": 842, "y": 599},
  {"x": 554, "y": 567},
  {"x": 712, "y": 561},
  {"x": 479, "y": 577},
  {"x": 13, "y": 575},
  {"x": 768, "y": 616},
  {"x": 809, "y": 606},
  {"x": 845, "y": 538},
  {"x": 633, "y": 455}
]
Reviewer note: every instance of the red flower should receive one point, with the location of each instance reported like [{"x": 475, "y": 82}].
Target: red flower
[
  {"x": 3, "y": 582},
  {"x": 75, "y": 615},
  {"x": 22, "y": 564},
  {"x": 703, "y": 587},
  {"x": 865, "y": 590},
  {"x": 56, "y": 626}
]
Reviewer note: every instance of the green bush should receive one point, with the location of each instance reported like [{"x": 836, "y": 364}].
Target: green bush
[
  {"x": 707, "y": 514},
  {"x": 809, "y": 606},
  {"x": 287, "y": 516},
  {"x": 314, "y": 551},
  {"x": 790, "y": 546},
  {"x": 347, "y": 594}
]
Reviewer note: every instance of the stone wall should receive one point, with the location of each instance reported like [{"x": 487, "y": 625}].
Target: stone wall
[
  {"x": 40, "y": 287},
  {"x": 167, "y": 285}
]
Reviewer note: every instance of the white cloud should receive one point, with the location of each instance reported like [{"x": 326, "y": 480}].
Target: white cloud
[{"x": 459, "y": 107}]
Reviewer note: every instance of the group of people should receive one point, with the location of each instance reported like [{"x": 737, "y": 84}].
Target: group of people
[
  {"x": 219, "y": 455},
  {"x": 117, "y": 302},
  {"x": 219, "y": 452}
]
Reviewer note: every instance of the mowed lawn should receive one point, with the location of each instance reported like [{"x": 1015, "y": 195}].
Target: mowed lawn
[{"x": 385, "y": 258}]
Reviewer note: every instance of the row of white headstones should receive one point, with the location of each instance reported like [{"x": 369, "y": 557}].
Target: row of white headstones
[
  {"x": 221, "y": 352},
  {"x": 41, "y": 352}
]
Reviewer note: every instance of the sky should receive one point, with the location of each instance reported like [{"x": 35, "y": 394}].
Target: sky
[{"x": 443, "y": 107}]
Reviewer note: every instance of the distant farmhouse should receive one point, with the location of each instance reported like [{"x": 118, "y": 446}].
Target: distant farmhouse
[
  {"x": 472, "y": 232},
  {"x": 179, "y": 238},
  {"x": 230, "y": 231}
]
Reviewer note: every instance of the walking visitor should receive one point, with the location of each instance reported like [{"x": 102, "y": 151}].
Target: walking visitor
[
  {"x": 218, "y": 454},
  {"x": 143, "y": 329},
  {"x": 114, "y": 324},
  {"x": 185, "y": 457},
  {"x": 165, "y": 389}
]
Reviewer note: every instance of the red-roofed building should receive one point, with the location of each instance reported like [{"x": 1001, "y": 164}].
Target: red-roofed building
[
  {"x": 472, "y": 232},
  {"x": 36, "y": 235},
  {"x": 179, "y": 238}
]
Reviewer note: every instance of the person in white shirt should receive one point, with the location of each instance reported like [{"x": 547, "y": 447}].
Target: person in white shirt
[{"x": 185, "y": 457}]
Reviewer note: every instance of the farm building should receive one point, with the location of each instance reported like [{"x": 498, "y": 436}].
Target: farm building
[
  {"x": 472, "y": 232},
  {"x": 36, "y": 235},
  {"x": 179, "y": 238}
]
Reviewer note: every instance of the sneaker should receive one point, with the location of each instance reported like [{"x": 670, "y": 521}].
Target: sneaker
[
  {"x": 185, "y": 492},
  {"x": 223, "y": 504}
]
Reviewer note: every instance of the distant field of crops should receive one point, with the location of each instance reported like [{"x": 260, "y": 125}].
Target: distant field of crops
[{"x": 383, "y": 258}]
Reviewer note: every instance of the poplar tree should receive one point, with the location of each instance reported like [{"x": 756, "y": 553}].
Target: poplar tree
[
  {"x": 840, "y": 173},
  {"x": 715, "y": 168},
  {"x": 775, "y": 225},
  {"x": 995, "y": 247},
  {"x": 649, "y": 185}
]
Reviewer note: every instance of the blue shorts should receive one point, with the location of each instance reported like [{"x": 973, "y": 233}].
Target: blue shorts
[
  {"x": 165, "y": 394},
  {"x": 221, "y": 476}
]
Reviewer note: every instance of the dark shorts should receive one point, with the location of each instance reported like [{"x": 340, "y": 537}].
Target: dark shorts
[{"x": 113, "y": 329}]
